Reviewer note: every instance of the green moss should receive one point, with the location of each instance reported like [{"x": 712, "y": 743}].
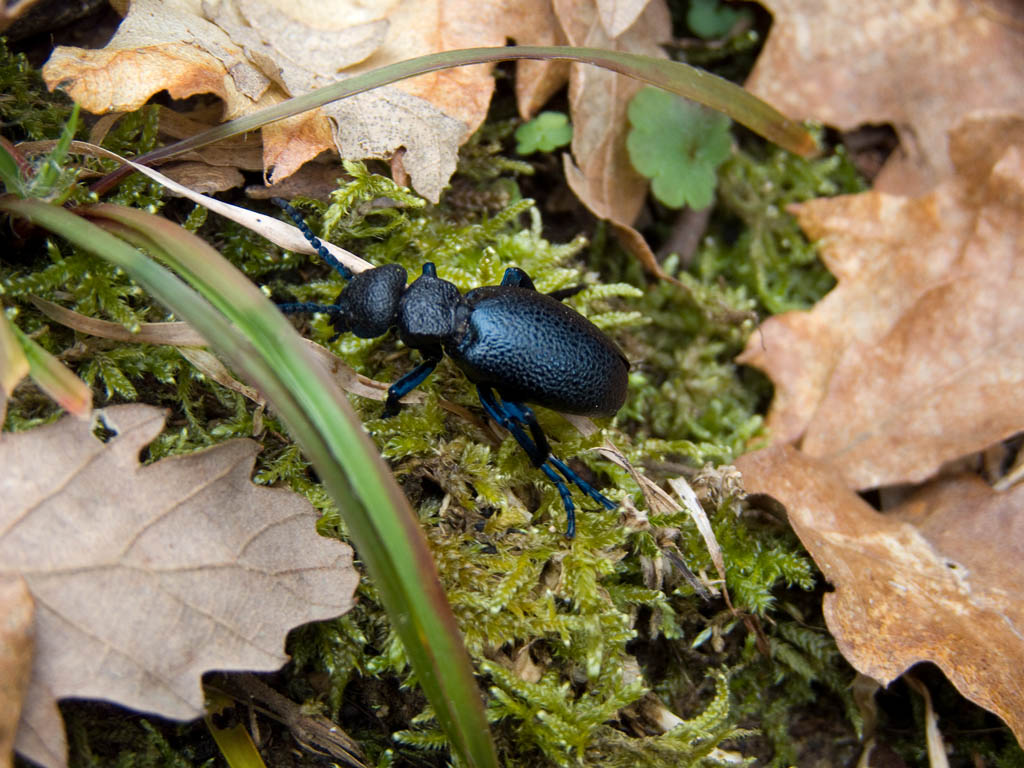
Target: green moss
[
  {"x": 99, "y": 738},
  {"x": 25, "y": 104},
  {"x": 134, "y": 134},
  {"x": 755, "y": 243}
]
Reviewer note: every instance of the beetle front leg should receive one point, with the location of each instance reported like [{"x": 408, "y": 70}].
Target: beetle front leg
[{"x": 408, "y": 383}]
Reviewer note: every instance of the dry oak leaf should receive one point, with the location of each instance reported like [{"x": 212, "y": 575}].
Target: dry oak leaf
[
  {"x": 914, "y": 358},
  {"x": 144, "y": 577},
  {"x": 921, "y": 65},
  {"x": 938, "y": 579},
  {"x": 254, "y": 53}
]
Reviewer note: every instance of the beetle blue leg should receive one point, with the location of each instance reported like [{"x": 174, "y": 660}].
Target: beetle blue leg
[
  {"x": 407, "y": 384},
  {"x": 292, "y": 307},
  {"x": 582, "y": 484},
  {"x": 314, "y": 241},
  {"x": 565, "y": 293},
  {"x": 512, "y": 416},
  {"x": 563, "y": 491},
  {"x": 525, "y": 414},
  {"x": 498, "y": 411}
]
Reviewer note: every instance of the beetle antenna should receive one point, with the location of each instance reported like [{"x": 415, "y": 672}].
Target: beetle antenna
[{"x": 313, "y": 240}]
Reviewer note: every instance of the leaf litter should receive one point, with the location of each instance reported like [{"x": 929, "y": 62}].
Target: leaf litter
[
  {"x": 254, "y": 53},
  {"x": 914, "y": 359},
  {"x": 938, "y": 578},
  {"x": 146, "y": 576},
  {"x": 907, "y": 369},
  {"x": 922, "y": 66}
]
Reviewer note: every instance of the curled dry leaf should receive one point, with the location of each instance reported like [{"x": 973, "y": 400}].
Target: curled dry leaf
[
  {"x": 204, "y": 178},
  {"x": 146, "y": 576},
  {"x": 599, "y": 171},
  {"x": 920, "y": 65},
  {"x": 938, "y": 579},
  {"x": 914, "y": 359}
]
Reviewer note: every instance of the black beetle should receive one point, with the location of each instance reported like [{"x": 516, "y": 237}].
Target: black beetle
[{"x": 517, "y": 345}]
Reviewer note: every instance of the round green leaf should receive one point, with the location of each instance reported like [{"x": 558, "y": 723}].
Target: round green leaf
[
  {"x": 678, "y": 145},
  {"x": 546, "y": 132}
]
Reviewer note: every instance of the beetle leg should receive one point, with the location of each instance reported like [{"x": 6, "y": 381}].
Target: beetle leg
[
  {"x": 526, "y": 415},
  {"x": 290, "y": 307},
  {"x": 565, "y": 293},
  {"x": 563, "y": 491},
  {"x": 500, "y": 412},
  {"x": 582, "y": 484},
  {"x": 408, "y": 383},
  {"x": 512, "y": 416}
]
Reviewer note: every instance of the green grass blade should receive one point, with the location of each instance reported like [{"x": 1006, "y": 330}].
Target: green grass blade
[
  {"x": 55, "y": 379},
  {"x": 674, "y": 76},
  {"x": 234, "y": 741},
  {"x": 261, "y": 345},
  {"x": 10, "y": 172},
  {"x": 13, "y": 362}
]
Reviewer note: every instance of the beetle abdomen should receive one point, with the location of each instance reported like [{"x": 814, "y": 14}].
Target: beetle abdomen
[{"x": 532, "y": 348}]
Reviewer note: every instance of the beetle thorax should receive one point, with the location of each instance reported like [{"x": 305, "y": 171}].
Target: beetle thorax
[{"x": 427, "y": 312}]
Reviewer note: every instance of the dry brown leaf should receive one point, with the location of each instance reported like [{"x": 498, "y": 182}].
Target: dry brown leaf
[
  {"x": 237, "y": 152},
  {"x": 146, "y": 576},
  {"x": 920, "y": 65},
  {"x": 538, "y": 81},
  {"x": 914, "y": 359},
  {"x": 16, "y": 644},
  {"x": 254, "y": 53},
  {"x": 203, "y": 178},
  {"x": 939, "y": 579},
  {"x": 600, "y": 172},
  {"x": 176, "y": 333},
  {"x": 316, "y": 180},
  {"x": 618, "y": 15},
  {"x": 158, "y": 46}
]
